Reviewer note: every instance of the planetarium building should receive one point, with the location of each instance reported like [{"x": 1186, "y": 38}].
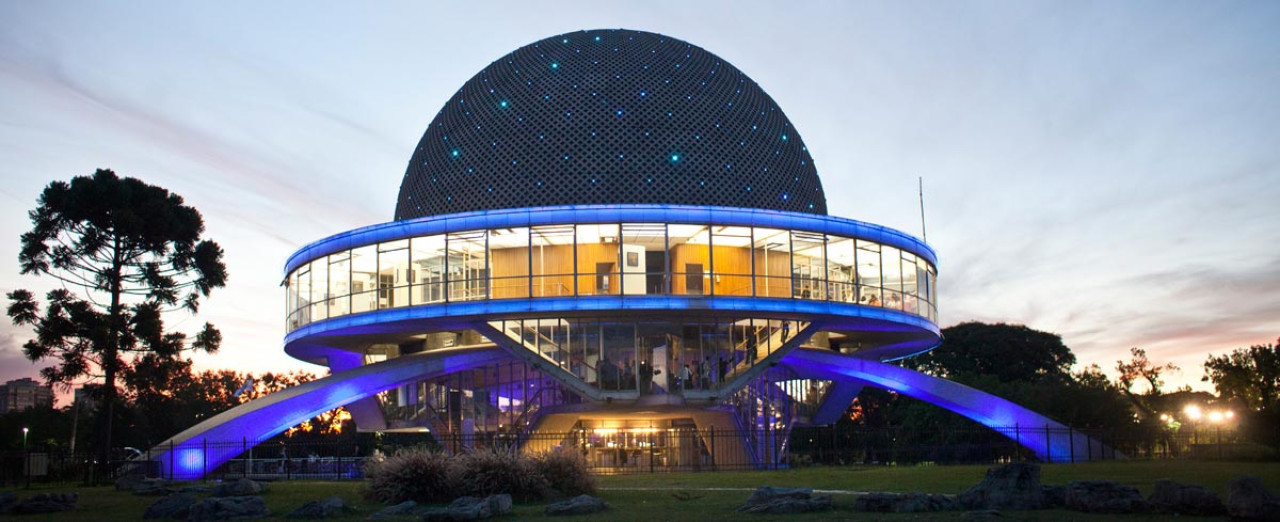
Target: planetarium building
[{"x": 616, "y": 241}]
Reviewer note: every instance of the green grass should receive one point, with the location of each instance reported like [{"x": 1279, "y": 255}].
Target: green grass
[{"x": 648, "y": 497}]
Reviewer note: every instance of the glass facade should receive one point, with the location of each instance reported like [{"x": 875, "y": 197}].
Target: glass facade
[{"x": 610, "y": 259}]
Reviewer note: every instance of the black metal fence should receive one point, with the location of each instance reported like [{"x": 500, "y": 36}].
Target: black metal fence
[{"x": 638, "y": 451}]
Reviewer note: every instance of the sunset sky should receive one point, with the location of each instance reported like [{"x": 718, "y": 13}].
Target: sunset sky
[{"x": 1106, "y": 171}]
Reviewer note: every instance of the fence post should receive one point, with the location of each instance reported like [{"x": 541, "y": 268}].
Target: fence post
[
  {"x": 1071, "y": 439},
  {"x": 651, "y": 434},
  {"x": 171, "y": 456},
  {"x": 1048, "y": 446},
  {"x": 204, "y": 459},
  {"x": 713, "y": 447},
  {"x": 1017, "y": 439},
  {"x": 244, "y": 455}
]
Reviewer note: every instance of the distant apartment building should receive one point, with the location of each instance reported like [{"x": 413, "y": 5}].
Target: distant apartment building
[{"x": 20, "y": 394}]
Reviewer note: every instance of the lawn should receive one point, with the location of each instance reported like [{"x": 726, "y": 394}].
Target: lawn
[{"x": 713, "y": 496}]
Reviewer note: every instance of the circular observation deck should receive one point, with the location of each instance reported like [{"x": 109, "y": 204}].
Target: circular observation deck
[{"x": 867, "y": 290}]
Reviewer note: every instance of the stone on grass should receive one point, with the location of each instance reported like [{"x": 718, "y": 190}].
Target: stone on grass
[
  {"x": 981, "y": 514},
  {"x": 470, "y": 508},
  {"x": 7, "y": 500},
  {"x": 1052, "y": 496},
  {"x": 227, "y": 508},
  {"x": 1248, "y": 499},
  {"x": 405, "y": 508},
  {"x": 174, "y": 506},
  {"x": 779, "y": 501},
  {"x": 904, "y": 503},
  {"x": 329, "y": 507},
  {"x": 1103, "y": 496},
  {"x": 579, "y": 505},
  {"x": 239, "y": 488},
  {"x": 1011, "y": 486},
  {"x": 1185, "y": 499},
  {"x": 46, "y": 503}
]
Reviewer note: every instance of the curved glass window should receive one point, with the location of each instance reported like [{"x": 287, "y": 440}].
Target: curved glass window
[{"x": 610, "y": 259}]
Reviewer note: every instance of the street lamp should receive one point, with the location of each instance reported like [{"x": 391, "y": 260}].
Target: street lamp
[{"x": 24, "y": 437}]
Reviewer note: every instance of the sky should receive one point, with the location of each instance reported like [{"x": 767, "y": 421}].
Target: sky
[{"x": 1105, "y": 171}]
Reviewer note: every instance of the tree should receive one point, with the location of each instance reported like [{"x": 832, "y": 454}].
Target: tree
[
  {"x": 1140, "y": 369},
  {"x": 1009, "y": 353},
  {"x": 1250, "y": 375},
  {"x": 135, "y": 252}
]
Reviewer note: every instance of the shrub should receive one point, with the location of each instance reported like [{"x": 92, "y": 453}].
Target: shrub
[
  {"x": 566, "y": 473},
  {"x": 416, "y": 474},
  {"x": 497, "y": 470}
]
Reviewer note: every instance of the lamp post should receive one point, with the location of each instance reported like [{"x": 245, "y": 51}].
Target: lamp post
[{"x": 25, "y": 430}]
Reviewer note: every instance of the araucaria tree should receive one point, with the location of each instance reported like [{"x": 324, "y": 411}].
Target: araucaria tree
[{"x": 125, "y": 252}]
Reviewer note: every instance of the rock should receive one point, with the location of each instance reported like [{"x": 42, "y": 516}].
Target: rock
[
  {"x": 7, "y": 500},
  {"x": 175, "y": 506},
  {"x": 1185, "y": 499},
  {"x": 1052, "y": 496},
  {"x": 402, "y": 509},
  {"x": 129, "y": 482},
  {"x": 225, "y": 508},
  {"x": 903, "y": 503},
  {"x": 240, "y": 487},
  {"x": 329, "y": 507},
  {"x": 766, "y": 494},
  {"x": 579, "y": 505},
  {"x": 1248, "y": 499},
  {"x": 773, "y": 500},
  {"x": 981, "y": 514},
  {"x": 1103, "y": 496},
  {"x": 1011, "y": 486},
  {"x": 46, "y": 503},
  {"x": 470, "y": 508}
]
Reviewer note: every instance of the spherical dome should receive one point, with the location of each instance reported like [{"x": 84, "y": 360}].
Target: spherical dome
[{"x": 609, "y": 117}]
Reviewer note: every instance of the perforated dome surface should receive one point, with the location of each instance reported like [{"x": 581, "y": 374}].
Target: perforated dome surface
[{"x": 609, "y": 117}]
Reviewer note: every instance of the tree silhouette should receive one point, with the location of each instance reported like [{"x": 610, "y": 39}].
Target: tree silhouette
[{"x": 125, "y": 252}]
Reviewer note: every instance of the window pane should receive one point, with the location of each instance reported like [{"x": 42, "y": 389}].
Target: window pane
[
  {"x": 909, "y": 283},
  {"x": 364, "y": 279},
  {"x": 509, "y": 248},
  {"x": 644, "y": 258},
  {"x": 468, "y": 266},
  {"x": 393, "y": 275},
  {"x": 840, "y": 266},
  {"x": 598, "y": 260},
  {"x": 319, "y": 289},
  {"x": 869, "y": 273},
  {"x": 891, "y": 259},
  {"x": 731, "y": 249},
  {"x": 690, "y": 259},
  {"x": 302, "y": 315},
  {"x": 428, "y": 269},
  {"x": 552, "y": 260},
  {"x": 771, "y": 249},
  {"x": 340, "y": 284},
  {"x": 808, "y": 278}
]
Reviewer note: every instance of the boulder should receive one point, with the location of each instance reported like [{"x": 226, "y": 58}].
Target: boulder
[
  {"x": 904, "y": 503},
  {"x": 405, "y": 508},
  {"x": 7, "y": 500},
  {"x": 1248, "y": 499},
  {"x": 239, "y": 488},
  {"x": 1185, "y": 499},
  {"x": 329, "y": 507},
  {"x": 226, "y": 508},
  {"x": 470, "y": 508},
  {"x": 1052, "y": 496},
  {"x": 773, "y": 500},
  {"x": 579, "y": 505},
  {"x": 46, "y": 503},
  {"x": 1103, "y": 496},
  {"x": 174, "y": 506},
  {"x": 981, "y": 514},
  {"x": 1011, "y": 486}
]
